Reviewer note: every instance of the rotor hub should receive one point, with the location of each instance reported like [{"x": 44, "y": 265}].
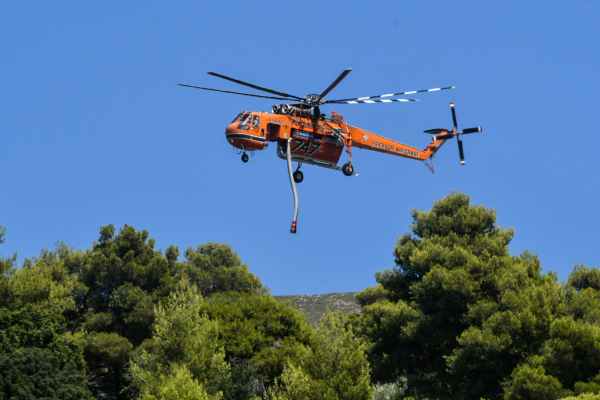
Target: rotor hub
[{"x": 313, "y": 99}]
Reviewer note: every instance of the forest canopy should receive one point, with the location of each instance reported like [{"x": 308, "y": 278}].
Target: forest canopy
[{"x": 458, "y": 317}]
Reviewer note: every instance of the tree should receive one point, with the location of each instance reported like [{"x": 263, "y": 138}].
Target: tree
[
  {"x": 335, "y": 368},
  {"x": 569, "y": 360},
  {"x": 182, "y": 336},
  {"x": 45, "y": 281},
  {"x": 42, "y": 327},
  {"x": 583, "y": 277},
  {"x": 178, "y": 384},
  {"x": 457, "y": 314},
  {"x": 259, "y": 329},
  {"x": 216, "y": 268},
  {"x": 38, "y": 358},
  {"x": 243, "y": 382},
  {"x": 34, "y": 373},
  {"x": 6, "y": 269}
]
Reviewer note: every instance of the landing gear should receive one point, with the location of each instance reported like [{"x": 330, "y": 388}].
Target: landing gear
[
  {"x": 347, "y": 169},
  {"x": 245, "y": 158},
  {"x": 298, "y": 176}
]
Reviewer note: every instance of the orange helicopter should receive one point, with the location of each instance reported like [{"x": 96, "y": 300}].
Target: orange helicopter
[{"x": 305, "y": 135}]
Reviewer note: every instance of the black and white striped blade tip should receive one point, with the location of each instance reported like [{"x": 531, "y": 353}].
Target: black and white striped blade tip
[
  {"x": 394, "y": 94},
  {"x": 368, "y": 101}
]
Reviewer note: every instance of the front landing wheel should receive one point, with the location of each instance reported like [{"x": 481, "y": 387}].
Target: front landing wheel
[
  {"x": 348, "y": 170},
  {"x": 298, "y": 176},
  {"x": 245, "y": 158}
]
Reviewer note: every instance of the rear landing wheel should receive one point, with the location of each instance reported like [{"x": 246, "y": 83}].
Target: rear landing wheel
[
  {"x": 298, "y": 176},
  {"x": 347, "y": 169},
  {"x": 245, "y": 158}
]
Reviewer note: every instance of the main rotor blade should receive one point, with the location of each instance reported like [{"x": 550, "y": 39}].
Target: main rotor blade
[
  {"x": 454, "y": 117},
  {"x": 335, "y": 83},
  {"x": 367, "y": 101},
  {"x": 395, "y": 94},
  {"x": 227, "y": 91},
  {"x": 255, "y": 86}
]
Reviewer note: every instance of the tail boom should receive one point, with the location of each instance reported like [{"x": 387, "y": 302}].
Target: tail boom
[{"x": 370, "y": 141}]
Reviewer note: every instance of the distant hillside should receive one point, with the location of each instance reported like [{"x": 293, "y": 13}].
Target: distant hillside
[{"x": 315, "y": 305}]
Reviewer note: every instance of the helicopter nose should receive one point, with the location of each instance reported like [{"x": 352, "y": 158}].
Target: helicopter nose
[{"x": 231, "y": 128}]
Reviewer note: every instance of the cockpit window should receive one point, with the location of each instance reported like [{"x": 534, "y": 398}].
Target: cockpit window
[
  {"x": 241, "y": 117},
  {"x": 256, "y": 121}
]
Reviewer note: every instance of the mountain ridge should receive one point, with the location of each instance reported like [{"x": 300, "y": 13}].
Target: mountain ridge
[{"x": 315, "y": 305}]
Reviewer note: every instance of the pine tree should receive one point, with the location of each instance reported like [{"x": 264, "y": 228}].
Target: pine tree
[{"x": 457, "y": 314}]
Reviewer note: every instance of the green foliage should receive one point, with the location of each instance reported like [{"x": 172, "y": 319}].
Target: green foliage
[
  {"x": 530, "y": 381},
  {"x": 45, "y": 281},
  {"x": 584, "y": 396},
  {"x": 459, "y": 313},
  {"x": 583, "y": 277},
  {"x": 111, "y": 295},
  {"x": 335, "y": 368},
  {"x": 569, "y": 363},
  {"x": 593, "y": 386},
  {"x": 260, "y": 329},
  {"x": 106, "y": 355},
  {"x": 33, "y": 373},
  {"x": 295, "y": 384},
  {"x": 243, "y": 382},
  {"x": 38, "y": 358},
  {"x": 181, "y": 335},
  {"x": 2, "y": 234},
  {"x": 371, "y": 295},
  {"x": 125, "y": 278},
  {"x": 390, "y": 391},
  {"x": 458, "y": 317},
  {"x": 216, "y": 268},
  {"x": 525, "y": 311},
  {"x": 383, "y": 323},
  {"x": 584, "y": 305},
  {"x": 572, "y": 352},
  {"x": 6, "y": 270},
  {"x": 34, "y": 326},
  {"x": 178, "y": 384},
  {"x": 121, "y": 272}
]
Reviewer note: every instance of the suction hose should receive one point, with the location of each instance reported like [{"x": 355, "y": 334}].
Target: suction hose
[{"x": 289, "y": 163}]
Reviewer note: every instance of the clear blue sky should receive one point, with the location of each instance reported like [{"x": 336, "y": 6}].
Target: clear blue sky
[{"x": 94, "y": 129}]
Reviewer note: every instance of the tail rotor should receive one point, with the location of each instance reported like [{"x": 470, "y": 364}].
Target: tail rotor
[{"x": 445, "y": 134}]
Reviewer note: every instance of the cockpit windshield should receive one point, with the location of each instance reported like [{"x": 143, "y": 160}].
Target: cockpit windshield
[{"x": 241, "y": 117}]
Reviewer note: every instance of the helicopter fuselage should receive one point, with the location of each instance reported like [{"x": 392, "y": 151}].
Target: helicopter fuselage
[{"x": 322, "y": 140}]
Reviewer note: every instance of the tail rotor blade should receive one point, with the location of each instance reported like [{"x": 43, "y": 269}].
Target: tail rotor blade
[
  {"x": 471, "y": 130},
  {"x": 435, "y": 131},
  {"x": 461, "y": 152},
  {"x": 444, "y": 137},
  {"x": 454, "y": 116}
]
